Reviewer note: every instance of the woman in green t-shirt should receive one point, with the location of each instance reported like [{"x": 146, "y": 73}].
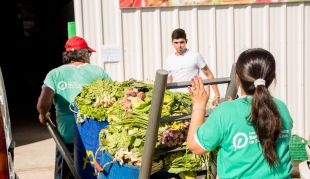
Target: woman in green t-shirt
[{"x": 251, "y": 133}]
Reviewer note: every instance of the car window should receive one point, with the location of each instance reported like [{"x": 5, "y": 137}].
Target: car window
[{"x": 5, "y": 111}]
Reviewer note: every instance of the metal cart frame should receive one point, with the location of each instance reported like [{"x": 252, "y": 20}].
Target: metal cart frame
[{"x": 155, "y": 113}]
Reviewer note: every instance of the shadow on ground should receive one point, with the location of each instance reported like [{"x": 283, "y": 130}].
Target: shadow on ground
[{"x": 26, "y": 128}]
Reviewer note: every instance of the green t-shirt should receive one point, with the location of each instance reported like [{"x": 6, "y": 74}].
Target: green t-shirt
[
  {"x": 240, "y": 153},
  {"x": 67, "y": 82}
]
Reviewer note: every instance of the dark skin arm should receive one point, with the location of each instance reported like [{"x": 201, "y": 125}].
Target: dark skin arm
[{"x": 44, "y": 103}]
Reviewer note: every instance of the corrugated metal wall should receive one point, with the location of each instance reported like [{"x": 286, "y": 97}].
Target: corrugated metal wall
[{"x": 219, "y": 33}]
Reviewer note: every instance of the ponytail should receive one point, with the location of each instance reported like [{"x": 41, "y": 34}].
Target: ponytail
[
  {"x": 266, "y": 120},
  {"x": 256, "y": 71}
]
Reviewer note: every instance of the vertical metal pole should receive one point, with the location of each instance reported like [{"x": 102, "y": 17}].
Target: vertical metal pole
[
  {"x": 232, "y": 88},
  {"x": 153, "y": 123}
]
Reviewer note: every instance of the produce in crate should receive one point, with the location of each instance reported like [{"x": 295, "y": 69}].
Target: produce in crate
[{"x": 126, "y": 106}]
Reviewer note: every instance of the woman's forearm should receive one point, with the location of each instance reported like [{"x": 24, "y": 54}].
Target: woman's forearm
[{"x": 197, "y": 119}]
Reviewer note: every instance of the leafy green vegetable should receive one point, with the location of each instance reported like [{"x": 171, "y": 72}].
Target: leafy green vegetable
[
  {"x": 177, "y": 162},
  {"x": 92, "y": 95}
]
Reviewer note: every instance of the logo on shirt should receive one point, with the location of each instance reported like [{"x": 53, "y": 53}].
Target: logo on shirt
[
  {"x": 62, "y": 85},
  {"x": 240, "y": 140}
]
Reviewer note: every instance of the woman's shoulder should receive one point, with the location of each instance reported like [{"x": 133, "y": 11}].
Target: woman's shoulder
[
  {"x": 235, "y": 102},
  {"x": 278, "y": 101},
  {"x": 229, "y": 106},
  {"x": 57, "y": 69},
  {"x": 93, "y": 67},
  {"x": 280, "y": 104}
]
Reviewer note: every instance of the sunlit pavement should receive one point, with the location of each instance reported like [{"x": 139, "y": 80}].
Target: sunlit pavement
[
  {"x": 35, "y": 160},
  {"x": 34, "y": 153}
]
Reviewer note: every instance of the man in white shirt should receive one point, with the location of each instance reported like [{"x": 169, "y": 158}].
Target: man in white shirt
[{"x": 184, "y": 64}]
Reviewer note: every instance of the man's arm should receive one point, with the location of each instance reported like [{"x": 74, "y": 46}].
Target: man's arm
[
  {"x": 206, "y": 70},
  {"x": 44, "y": 103}
]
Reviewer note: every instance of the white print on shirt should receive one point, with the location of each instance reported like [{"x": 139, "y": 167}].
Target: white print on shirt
[
  {"x": 284, "y": 134},
  {"x": 74, "y": 85},
  {"x": 253, "y": 138},
  {"x": 63, "y": 85},
  {"x": 240, "y": 140}
]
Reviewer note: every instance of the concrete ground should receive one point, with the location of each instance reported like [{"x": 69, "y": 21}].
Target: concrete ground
[
  {"x": 35, "y": 148},
  {"x": 34, "y": 154}
]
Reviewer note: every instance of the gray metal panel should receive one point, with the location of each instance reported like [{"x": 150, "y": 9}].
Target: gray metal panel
[
  {"x": 151, "y": 46},
  {"x": 295, "y": 65},
  {"x": 306, "y": 95},
  {"x": 278, "y": 47},
  {"x": 112, "y": 35},
  {"x": 132, "y": 44}
]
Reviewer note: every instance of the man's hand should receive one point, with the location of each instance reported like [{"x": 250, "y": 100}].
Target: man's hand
[
  {"x": 169, "y": 79},
  {"x": 43, "y": 118},
  {"x": 215, "y": 101}
]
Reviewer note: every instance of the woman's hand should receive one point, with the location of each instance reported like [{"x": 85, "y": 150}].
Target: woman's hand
[
  {"x": 199, "y": 94},
  {"x": 43, "y": 118}
]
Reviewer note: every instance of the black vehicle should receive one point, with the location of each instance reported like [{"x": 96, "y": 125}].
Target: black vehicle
[{"x": 7, "y": 144}]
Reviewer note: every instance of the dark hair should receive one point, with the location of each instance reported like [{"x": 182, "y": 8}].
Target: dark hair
[
  {"x": 178, "y": 34},
  {"x": 76, "y": 55},
  {"x": 256, "y": 64}
]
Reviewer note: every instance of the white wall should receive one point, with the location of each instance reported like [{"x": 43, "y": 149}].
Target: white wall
[{"x": 219, "y": 33}]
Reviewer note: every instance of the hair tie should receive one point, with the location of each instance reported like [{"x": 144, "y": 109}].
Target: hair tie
[{"x": 259, "y": 82}]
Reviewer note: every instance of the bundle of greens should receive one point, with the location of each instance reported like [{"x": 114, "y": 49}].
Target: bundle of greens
[
  {"x": 182, "y": 161},
  {"x": 97, "y": 97}
]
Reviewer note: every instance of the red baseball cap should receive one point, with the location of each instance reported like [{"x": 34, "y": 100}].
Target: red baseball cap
[{"x": 76, "y": 43}]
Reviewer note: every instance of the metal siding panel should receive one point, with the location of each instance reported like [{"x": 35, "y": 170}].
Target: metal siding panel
[
  {"x": 307, "y": 71},
  {"x": 242, "y": 32},
  {"x": 95, "y": 41},
  {"x": 169, "y": 21},
  {"x": 225, "y": 39},
  {"x": 207, "y": 37},
  {"x": 151, "y": 44},
  {"x": 207, "y": 44},
  {"x": 260, "y": 26},
  {"x": 112, "y": 22},
  {"x": 295, "y": 67},
  {"x": 78, "y": 16},
  {"x": 278, "y": 49},
  {"x": 86, "y": 19},
  {"x": 224, "y": 42},
  {"x": 242, "y": 29},
  {"x": 112, "y": 35},
  {"x": 132, "y": 39}
]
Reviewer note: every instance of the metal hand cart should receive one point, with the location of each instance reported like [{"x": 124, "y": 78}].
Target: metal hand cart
[{"x": 155, "y": 114}]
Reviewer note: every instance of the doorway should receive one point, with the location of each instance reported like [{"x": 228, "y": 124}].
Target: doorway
[{"x": 34, "y": 36}]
